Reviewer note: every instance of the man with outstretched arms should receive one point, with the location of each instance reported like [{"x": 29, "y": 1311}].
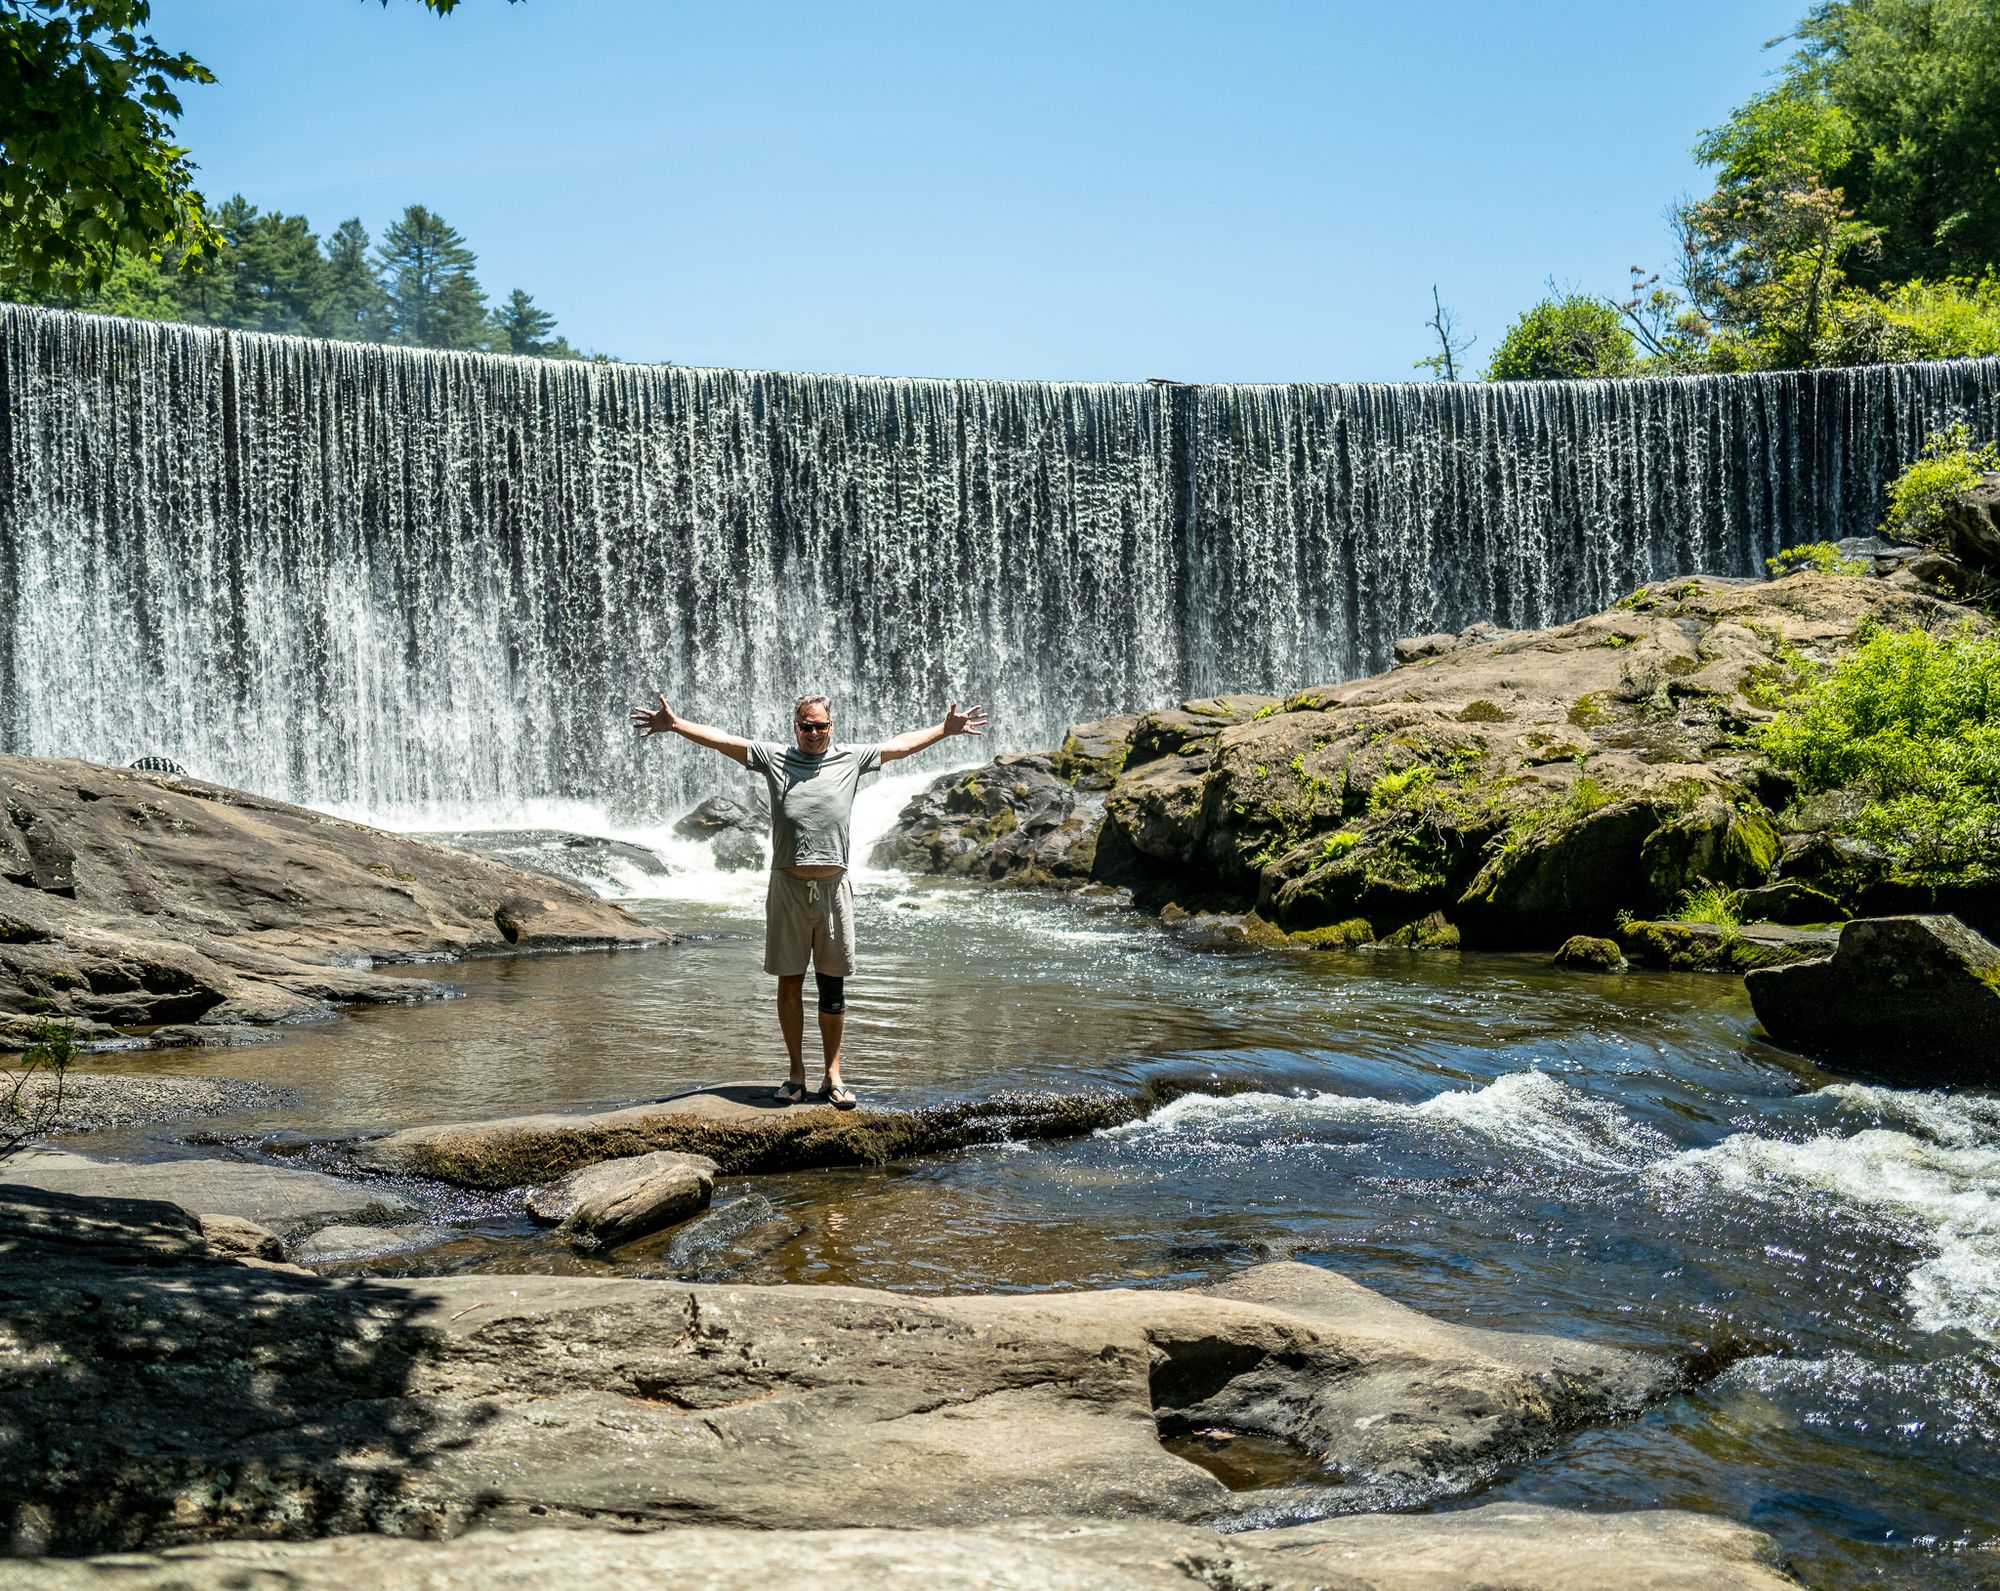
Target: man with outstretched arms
[{"x": 809, "y": 912}]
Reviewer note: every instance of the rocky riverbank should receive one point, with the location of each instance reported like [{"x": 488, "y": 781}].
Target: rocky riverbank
[
  {"x": 1492, "y": 789},
  {"x": 132, "y": 900},
  {"x": 172, "y": 1393}
]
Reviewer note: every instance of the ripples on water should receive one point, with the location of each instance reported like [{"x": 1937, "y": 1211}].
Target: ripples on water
[{"x": 1477, "y": 1136}]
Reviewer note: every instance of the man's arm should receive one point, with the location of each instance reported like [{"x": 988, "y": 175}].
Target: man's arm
[
  {"x": 650, "y": 722},
  {"x": 970, "y": 722}
]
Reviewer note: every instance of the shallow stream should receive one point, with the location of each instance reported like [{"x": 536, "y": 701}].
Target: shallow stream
[{"x": 1478, "y": 1136}]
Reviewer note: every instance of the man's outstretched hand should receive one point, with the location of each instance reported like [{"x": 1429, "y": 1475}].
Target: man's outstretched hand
[
  {"x": 970, "y": 722},
  {"x": 649, "y": 722}
]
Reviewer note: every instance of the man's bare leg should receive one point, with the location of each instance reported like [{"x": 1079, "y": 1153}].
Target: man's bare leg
[
  {"x": 792, "y": 1023},
  {"x": 831, "y": 1025}
]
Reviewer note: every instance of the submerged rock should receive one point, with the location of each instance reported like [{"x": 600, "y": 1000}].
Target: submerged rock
[
  {"x": 130, "y": 898},
  {"x": 616, "y": 1201},
  {"x": 1520, "y": 1546},
  {"x": 741, "y": 1130},
  {"x": 1915, "y": 999},
  {"x": 332, "y": 1245},
  {"x": 415, "y": 1407}
]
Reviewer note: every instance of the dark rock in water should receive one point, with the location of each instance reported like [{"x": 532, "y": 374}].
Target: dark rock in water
[
  {"x": 1915, "y": 999},
  {"x": 733, "y": 830},
  {"x": 131, "y": 899},
  {"x": 1013, "y": 821},
  {"x": 415, "y": 1407},
  {"x": 616, "y": 1201},
  {"x": 701, "y": 1239},
  {"x": 1587, "y": 954},
  {"x": 1710, "y": 947}
]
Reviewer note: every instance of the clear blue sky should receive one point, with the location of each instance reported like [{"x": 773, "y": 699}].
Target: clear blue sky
[{"x": 1256, "y": 192}]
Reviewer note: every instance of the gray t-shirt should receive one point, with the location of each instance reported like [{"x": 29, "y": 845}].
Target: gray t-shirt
[{"x": 812, "y": 799}]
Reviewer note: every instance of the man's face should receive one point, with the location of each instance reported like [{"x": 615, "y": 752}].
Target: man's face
[{"x": 813, "y": 726}]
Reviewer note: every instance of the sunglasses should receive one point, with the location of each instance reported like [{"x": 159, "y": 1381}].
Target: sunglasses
[{"x": 807, "y": 728}]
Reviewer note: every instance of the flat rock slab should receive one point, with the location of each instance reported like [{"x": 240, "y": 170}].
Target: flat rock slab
[
  {"x": 1915, "y": 999},
  {"x": 740, "y": 1130},
  {"x": 272, "y": 1196},
  {"x": 616, "y": 1201},
  {"x": 1711, "y": 947},
  {"x": 202, "y": 1399},
  {"x": 92, "y": 1101},
  {"x": 1521, "y": 1549}
]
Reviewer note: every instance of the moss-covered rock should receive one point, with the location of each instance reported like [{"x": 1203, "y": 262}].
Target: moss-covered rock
[
  {"x": 1586, "y": 953},
  {"x": 1434, "y": 932},
  {"x": 1711, "y": 947}
]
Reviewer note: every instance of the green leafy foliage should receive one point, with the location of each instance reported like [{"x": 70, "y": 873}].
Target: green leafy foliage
[
  {"x": 31, "y": 1095},
  {"x": 1922, "y": 495},
  {"x": 1958, "y": 318},
  {"x": 1911, "y": 721},
  {"x": 1710, "y": 903},
  {"x": 88, "y": 164},
  {"x": 1821, "y": 557},
  {"x": 1567, "y": 335}
]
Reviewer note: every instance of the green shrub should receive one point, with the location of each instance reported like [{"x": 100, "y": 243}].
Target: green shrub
[
  {"x": 1954, "y": 319},
  {"x": 1709, "y": 904},
  {"x": 1912, "y": 721},
  {"x": 1568, "y": 336},
  {"x": 1920, "y": 497},
  {"x": 1338, "y": 845},
  {"x": 1822, "y": 557}
]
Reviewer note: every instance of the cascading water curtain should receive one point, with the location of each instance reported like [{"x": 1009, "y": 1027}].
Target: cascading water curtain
[{"x": 413, "y": 584}]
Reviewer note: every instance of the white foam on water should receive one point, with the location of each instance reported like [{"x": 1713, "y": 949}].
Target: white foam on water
[
  {"x": 1530, "y": 1114},
  {"x": 1941, "y": 1197}
]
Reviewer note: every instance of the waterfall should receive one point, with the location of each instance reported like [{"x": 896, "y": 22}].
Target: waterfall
[{"x": 401, "y": 582}]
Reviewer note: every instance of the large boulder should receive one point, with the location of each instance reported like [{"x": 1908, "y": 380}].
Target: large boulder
[
  {"x": 168, "y": 1396},
  {"x": 734, "y": 831},
  {"x": 1914, "y": 999},
  {"x": 1972, "y": 524},
  {"x": 1527, "y": 785},
  {"x": 130, "y": 898},
  {"x": 1017, "y": 820},
  {"x": 616, "y": 1201}
]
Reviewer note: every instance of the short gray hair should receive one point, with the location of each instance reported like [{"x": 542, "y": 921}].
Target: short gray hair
[{"x": 804, "y": 702}]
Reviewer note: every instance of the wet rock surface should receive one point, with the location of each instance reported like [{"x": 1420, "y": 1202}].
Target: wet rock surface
[
  {"x": 1915, "y": 999},
  {"x": 130, "y": 899},
  {"x": 619, "y": 1200},
  {"x": 1713, "y": 947},
  {"x": 1524, "y": 786},
  {"x": 1014, "y": 821},
  {"x": 1517, "y": 1547},
  {"x": 179, "y": 1397},
  {"x": 334, "y": 1245},
  {"x": 735, "y": 831},
  {"x": 742, "y": 1129},
  {"x": 287, "y": 1201},
  {"x": 590, "y": 861}
]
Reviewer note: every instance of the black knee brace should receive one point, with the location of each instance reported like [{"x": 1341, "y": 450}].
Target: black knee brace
[{"x": 832, "y": 994}]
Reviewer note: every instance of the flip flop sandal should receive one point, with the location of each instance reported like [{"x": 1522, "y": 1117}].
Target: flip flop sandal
[
  {"x": 791, "y": 1093},
  {"x": 839, "y": 1097}
]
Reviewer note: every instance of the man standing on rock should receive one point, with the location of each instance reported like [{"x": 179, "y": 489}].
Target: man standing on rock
[{"x": 809, "y": 911}]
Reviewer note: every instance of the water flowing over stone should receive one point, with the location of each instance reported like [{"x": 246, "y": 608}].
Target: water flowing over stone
[{"x": 418, "y": 584}]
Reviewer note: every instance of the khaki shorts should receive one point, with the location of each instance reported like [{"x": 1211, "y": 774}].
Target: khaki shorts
[{"x": 809, "y": 920}]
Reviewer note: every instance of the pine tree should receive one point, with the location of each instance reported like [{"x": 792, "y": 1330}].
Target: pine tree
[
  {"x": 523, "y": 328},
  {"x": 353, "y": 306},
  {"x": 280, "y": 274},
  {"x": 434, "y": 300}
]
